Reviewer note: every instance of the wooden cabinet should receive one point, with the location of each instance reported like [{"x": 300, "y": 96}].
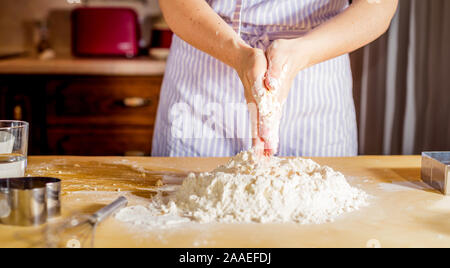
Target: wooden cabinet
[
  {"x": 100, "y": 140},
  {"x": 99, "y": 100},
  {"x": 89, "y": 115},
  {"x": 83, "y": 115},
  {"x": 2, "y": 99},
  {"x": 22, "y": 98}
]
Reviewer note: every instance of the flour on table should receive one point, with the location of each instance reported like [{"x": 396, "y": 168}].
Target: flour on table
[
  {"x": 253, "y": 188},
  {"x": 403, "y": 186}
]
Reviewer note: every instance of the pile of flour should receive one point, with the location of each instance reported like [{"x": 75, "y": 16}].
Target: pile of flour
[{"x": 253, "y": 188}]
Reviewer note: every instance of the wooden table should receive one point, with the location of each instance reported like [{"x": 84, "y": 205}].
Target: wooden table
[{"x": 403, "y": 212}]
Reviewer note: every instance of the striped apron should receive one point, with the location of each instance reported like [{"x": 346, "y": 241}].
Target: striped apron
[{"x": 202, "y": 109}]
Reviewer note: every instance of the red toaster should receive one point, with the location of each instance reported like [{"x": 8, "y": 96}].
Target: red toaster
[{"x": 99, "y": 31}]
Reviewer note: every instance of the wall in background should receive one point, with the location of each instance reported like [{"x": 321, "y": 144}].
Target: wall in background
[
  {"x": 401, "y": 83},
  {"x": 17, "y": 18}
]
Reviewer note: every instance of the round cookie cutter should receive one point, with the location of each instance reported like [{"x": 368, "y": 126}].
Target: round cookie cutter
[{"x": 29, "y": 201}]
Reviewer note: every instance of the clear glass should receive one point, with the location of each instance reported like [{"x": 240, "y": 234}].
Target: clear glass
[{"x": 13, "y": 148}]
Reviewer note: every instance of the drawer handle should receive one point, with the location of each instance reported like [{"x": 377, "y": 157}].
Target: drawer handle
[
  {"x": 18, "y": 112},
  {"x": 134, "y": 153},
  {"x": 136, "y": 102}
]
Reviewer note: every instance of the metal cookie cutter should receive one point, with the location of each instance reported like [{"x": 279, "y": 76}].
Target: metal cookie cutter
[
  {"x": 29, "y": 201},
  {"x": 436, "y": 170}
]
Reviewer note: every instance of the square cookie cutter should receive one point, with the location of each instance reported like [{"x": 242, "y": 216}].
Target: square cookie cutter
[
  {"x": 29, "y": 201},
  {"x": 436, "y": 170}
]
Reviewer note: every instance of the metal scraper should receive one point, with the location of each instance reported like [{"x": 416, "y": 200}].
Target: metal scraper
[{"x": 436, "y": 170}]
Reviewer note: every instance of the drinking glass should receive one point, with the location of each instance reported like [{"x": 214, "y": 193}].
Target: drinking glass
[{"x": 13, "y": 148}]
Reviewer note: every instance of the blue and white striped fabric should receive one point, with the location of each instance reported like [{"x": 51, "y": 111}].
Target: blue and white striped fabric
[{"x": 202, "y": 110}]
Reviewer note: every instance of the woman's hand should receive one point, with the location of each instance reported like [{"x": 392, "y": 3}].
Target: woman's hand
[
  {"x": 259, "y": 72},
  {"x": 281, "y": 70},
  {"x": 251, "y": 67},
  {"x": 284, "y": 63}
]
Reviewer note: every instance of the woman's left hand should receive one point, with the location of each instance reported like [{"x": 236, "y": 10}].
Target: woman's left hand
[
  {"x": 281, "y": 71},
  {"x": 283, "y": 65}
]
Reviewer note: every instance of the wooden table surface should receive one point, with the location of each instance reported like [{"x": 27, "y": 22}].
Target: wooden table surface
[{"x": 403, "y": 211}]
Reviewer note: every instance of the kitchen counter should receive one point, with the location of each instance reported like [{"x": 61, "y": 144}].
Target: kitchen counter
[
  {"x": 403, "y": 211},
  {"x": 83, "y": 66}
]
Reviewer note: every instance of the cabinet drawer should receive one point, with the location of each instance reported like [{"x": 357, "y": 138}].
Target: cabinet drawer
[
  {"x": 99, "y": 142},
  {"x": 103, "y": 100}
]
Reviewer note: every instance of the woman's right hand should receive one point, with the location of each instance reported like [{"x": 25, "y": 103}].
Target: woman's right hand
[{"x": 251, "y": 67}]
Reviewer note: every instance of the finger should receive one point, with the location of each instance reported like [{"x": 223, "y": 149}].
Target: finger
[
  {"x": 268, "y": 152},
  {"x": 258, "y": 146},
  {"x": 269, "y": 132},
  {"x": 272, "y": 75},
  {"x": 273, "y": 69},
  {"x": 269, "y": 149},
  {"x": 253, "y": 112},
  {"x": 257, "y": 140},
  {"x": 265, "y": 132},
  {"x": 259, "y": 84}
]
